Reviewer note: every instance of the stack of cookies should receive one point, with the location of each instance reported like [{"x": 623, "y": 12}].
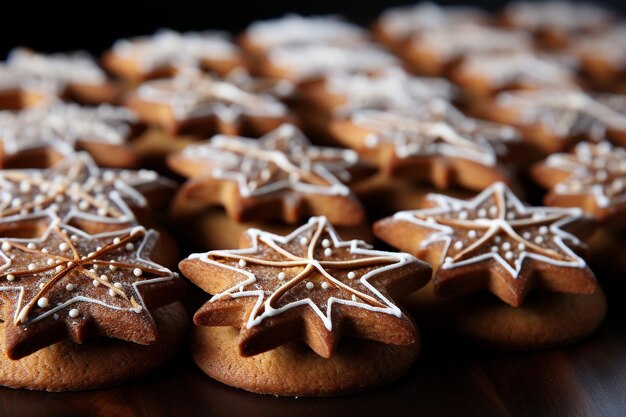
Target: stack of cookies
[{"x": 334, "y": 186}]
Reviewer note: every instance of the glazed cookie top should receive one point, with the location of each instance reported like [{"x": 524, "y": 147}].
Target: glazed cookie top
[
  {"x": 311, "y": 276},
  {"x": 565, "y": 16},
  {"x": 282, "y": 160},
  {"x": 566, "y": 112},
  {"x": 294, "y": 29},
  {"x": 404, "y": 21},
  {"x": 522, "y": 247},
  {"x": 75, "y": 188},
  {"x": 318, "y": 60},
  {"x": 192, "y": 94},
  {"x": 389, "y": 89},
  {"x": 68, "y": 284},
  {"x": 436, "y": 129},
  {"x": 62, "y": 126},
  {"x": 609, "y": 46},
  {"x": 168, "y": 48},
  {"x": 504, "y": 69},
  {"x": 469, "y": 39},
  {"x": 592, "y": 172}
]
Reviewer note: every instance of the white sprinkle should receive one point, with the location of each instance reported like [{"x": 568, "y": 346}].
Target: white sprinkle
[
  {"x": 448, "y": 260},
  {"x": 104, "y": 278},
  {"x": 242, "y": 263},
  {"x": 10, "y": 277},
  {"x": 325, "y": 243},
  {"x": 543, "y": 230},
  {"x": 42, "y": 302},
  {"x": 6, "y": 246},
  {"x": 304, "y": 241},
  {"x": 328, "y": 252},
  {"x": 31, "y": 246},
  {"x": 463, "y": 215},
  {"x": 506, "y": 246},
  {"x": 521, "y": 246},
  {"x": 325, "y": 285},
  {"x": 281, "y": 276},
  {"x": 497, "y": 239},
  {"x": 493, "y": 210},
  {"x": 482, "y": 212},
  {"x": 73, "y": 238},
  {"x": 495, "y": 249},
  {"x": 118, "y": 285},
  {"x": 309, "y": 285},
  {"x": 41, "y": 285},
  {"x": 31, "y": 267},
  {"x": 74, "y": 313},
  {"x": 95, "y": 283},
  {"x": 44, "y": 250},
  {"x": 137, "y": 272},
  {"x": 351, "y": 275},
  {"x": 471, "y": 234},
  {"x": 102, "y": 211},
  {"x": 129, "y": 246},
  {"x": 70, "y": 263},
  {"x": 112, "y": 267},
  {"x": 64, "y": 246},
  {"x": 538, "y": 239},
  {"x": 116, "y": 241},
  {"x": 50, "y": 261},
  {"x": 69, "y": 287},
  {"x": 111, "y": 292},
  {"x": 458, "y": 245},
  {"x": 59, "y": 268},
  {"x": 508, "y": 255},
  {"x": 526, "y": 235},
  {"x": 83, "y": 205}
]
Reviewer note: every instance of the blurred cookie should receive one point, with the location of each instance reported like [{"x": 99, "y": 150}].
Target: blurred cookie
[{"x": 309, "y": 286}]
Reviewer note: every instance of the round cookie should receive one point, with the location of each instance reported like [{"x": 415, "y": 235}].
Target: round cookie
[
  {"x": 98, "y": 363},
  {"x": 295, "y": 370},
  {"x": 544, "y": 320}
]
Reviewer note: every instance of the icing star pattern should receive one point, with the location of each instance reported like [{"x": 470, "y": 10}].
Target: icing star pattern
[
  {"x": 74, "y": 188},
  {"x": 564, "y": 112},
  {"x": 608, "y": 45},
  {"x": 436, "y": 129},
  {"x": 596, "y": 170},
  {"x": 496, "y": 229},
  {"x": 62, "y": 126},
  {"x": 386, "y": 90},
  {"x": 69, "y": 275},
  {"x": 168, "y": 48},
  {"x": 192, "y": 94},
  {"x": 558, "y": 15},
  {"x": 281, "y": 160},
  {"x": 311, "y": 268}
]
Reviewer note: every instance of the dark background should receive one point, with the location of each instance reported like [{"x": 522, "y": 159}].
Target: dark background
[{"x": 53, "y": 25}]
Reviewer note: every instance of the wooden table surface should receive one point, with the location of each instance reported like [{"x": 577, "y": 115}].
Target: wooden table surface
[{"x": 449, "y": 379}]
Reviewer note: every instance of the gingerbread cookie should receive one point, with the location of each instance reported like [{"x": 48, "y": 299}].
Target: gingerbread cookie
[
  {"x": 553, "y": 119},
  {"x": 167, "y": 52},
  {"x": 197, "y": 104},
  {"x": 71, "y": 285},
  {"x": 592, "y": 177},
  {"x": 484, "y": 75},
  {"x": 494, "y": 242},
  {"x": 309, "y": 286},
  {"x": 555, "y": 22},
  {"x": 435, "y": 52},
  {"x": 602, "y": 56},
  {"x": 307, "y": 62},
  {"x": 397, "y": 25},
  {"x": 280, "y": 176},
  {"x": 434, "y": 143},
  {"x": 262, "y": 36},
  {"x": 50, "y": 132},
  {"x": 28, "y": 78},
  {"x": 81, "y": 194}
]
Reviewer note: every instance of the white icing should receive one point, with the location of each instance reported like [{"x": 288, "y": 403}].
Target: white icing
[
  {"x": 436, "y": 129},
  {"x": 294, "y": 29},
  {"x": 317, "y": 60},
  {"x": 61, "y": 126},
  {"x": 389, "y": 89},
  {"x": 596, "y": 169},
  {"x": 517, "y": 67},
  {"x": 564, "y": 112},
  {"x": 609, "y": 45},
  {"x": 356, "y": 248},
  {"x": 139, "y": 258},
  {"x": 192, "y": 95},
  {"x": 292, "y": 162},
  {"x": 70, "y": 182},
  {"x": 167, "y": 48},
  {"x": 464, "y": 40},
  {"x": 404, "y": 21},
  {"x": 559, "y": 15},
  {"x": 497, "y": 225}
]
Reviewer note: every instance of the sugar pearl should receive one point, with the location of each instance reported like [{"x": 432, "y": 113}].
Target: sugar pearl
[
  {"x": 508, "y": 255},
  {"x": 471, "y": 234},
  {"x": 242, "y": 263},
  {"x": 543, "y": 230},
  {"x": 31, "y": 267},
  {"x": 137, "y": 272},
  {"x": 95, "y": 283},
  {"x": 281, "y": 276},
  {"x": 6, "y": 246},
  {"x": 351, "y": 275},
  {"x": 309, "y": 285},
  {"x": 10, "y": 277},
  {"x": 64, "y": 246},
  {"x": 521, "y": 246},
  {"x": 328, "y": 252},
  {"x": 538, "y": 239},
  {"x": 31, "y": 245},
  {"x": 130, "y": 246},
  {"x": 325, "y": 285},
  {"x": 116, "y": 241},
  {"x": 506, "y": 246},
  {"x": 74, "y": 313},
  {"x": 111, "y": 292},
  {"x": 69, "y": 287},
  {"x": 325, "y": 243},
  {"x": 458, "y": 245},
  {"x": 118, "y": 285},
  {"x": 104, "y": 278},
  {"x": 42, "y": 302},
  {"x": 304, "y": 241}
]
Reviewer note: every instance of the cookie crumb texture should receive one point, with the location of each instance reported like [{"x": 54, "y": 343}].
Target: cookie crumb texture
[
  {"x": 295, "y": 370},
  {"x": 99, "y": 363}
]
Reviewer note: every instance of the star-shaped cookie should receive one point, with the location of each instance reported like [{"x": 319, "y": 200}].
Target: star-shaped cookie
[
  {"x": 78, "y": 192},
  {"x": 554, "y": 118},
  {"x": 431, "y": 143},
  {"x": 494, "y": 242},
  {"x": 59, "y": 128},
  {"x": 309, "y": 285},
  {"x": 68, "y": 284},
  {"x": 279, "y": 176},
  {"x": 200, "y": 104},
  {"x": 592, "y": 176},
  {"x": 167, "y": 52}
]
